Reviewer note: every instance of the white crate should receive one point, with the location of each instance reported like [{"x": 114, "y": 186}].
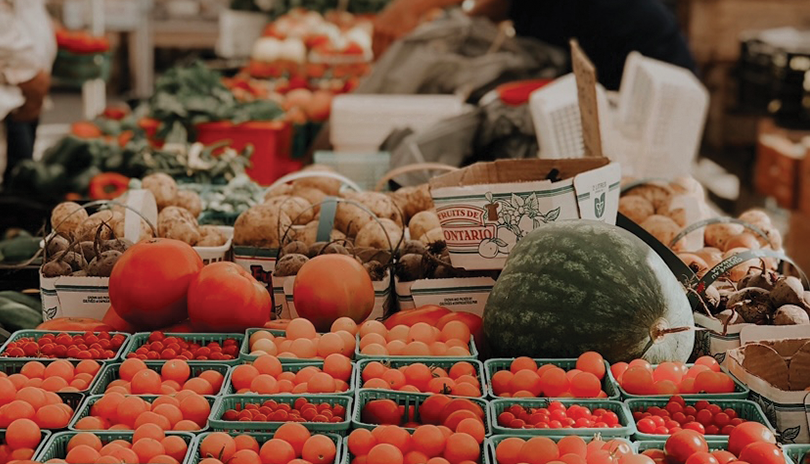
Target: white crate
[{"x": 363, "y": 168}]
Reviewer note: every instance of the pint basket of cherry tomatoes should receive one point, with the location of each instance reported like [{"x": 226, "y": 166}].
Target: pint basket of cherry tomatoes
[
  {"x": 796, "y": 454},
  {"x": 190, "y": 347},
  {"x": 266, "y": 413},
  {"x": 71, "y": 345},
  {"x": 528, "y": 417},
  {"x": 55, "y": 375},
  {"x": 690, "y": 447},
  {"x": 405, "y": 409},
  {"x": 299, "y": 343},
  {"x": 149, "y": 445},
  {"x": 423, "y": 375},
  {"x": 714, "y": 419},
  {"x": 267, "y": 375},
  {"x": 421, "y": 340},
  {"x": 426, "y": 443},
  {"x": 583, "y": 377},
  {"x": 510, "y": 449},
  {"x": 705, "y": 379},
  {"x": 176, "y": 374},
  {"x": 22, "y": 444},
  {"x": 128, "y": 412},
  {"x": 291, "y": 442}
]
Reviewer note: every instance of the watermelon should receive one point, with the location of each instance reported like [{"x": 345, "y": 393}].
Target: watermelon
[{"x": 576, "y": 286}]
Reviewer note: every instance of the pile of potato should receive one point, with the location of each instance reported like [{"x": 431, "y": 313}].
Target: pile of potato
[
  {"x": 178, "y": 210},
  {"x": 82, "y": 244},
  {"x": 418, "y": 261}
]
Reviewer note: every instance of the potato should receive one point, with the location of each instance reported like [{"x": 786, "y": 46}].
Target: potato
[
  {"x": 687, "y": 185},
  {"x": 88, "y": 229},
  {"x": 260, "y": 226},
  {"x": 326, "y": 185},
  {"x": 412, "y": 200},
  {"x": 774, "y": 239},
  {"x": 743, "y": 240},
  {"x": 636, "y": 208},
  {"x": 738, "y": 272},
  {"x": 661, "y": 227},
  {"x": 689, "y": 259},
  {"x": 423, "y": 222},
  {"x": 67, "y": 217},
  {"x": 314, "y": 196},
  {"x": 658, "y": 195},
  {"x": 717, "y": 235},
  {"x": 349, "y": 218},
  {"x": 384, "y": 235},
  {"x": 211, "y": 236},
  {"x": 277, "y": 191},
  {"x": 190, "y": 201},
  {"x": 163, "y": 187},
  {"x": 711, "y": 256},
  {"x": 308, "y": 234},
  {"x": 178, "y": 224},
  {"x": 298, "y": 209},
  {"x": 120, "y": 229},
  {"x": 757, "y": 218},
  {"x": 432, "y": 236}
]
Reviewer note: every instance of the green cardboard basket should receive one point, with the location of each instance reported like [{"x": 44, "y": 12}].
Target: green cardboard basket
[
  {"x": 627, "y": 429},
  {"x": 745, "y": 409},
  {"x": 43, "y": 442},
  {"x": 795, "y": 453},
  {"x": 492, "y": 442},
  {"x": 473, "y": 354},
  {"x": 141, "y": 338},
  {"x": 740, "y": 390},
  {"x": 194, "y": 451},
  {"x": 407, "y": 400},
  {"x": 491, "y": 366},
  {"x": 37, "y": 334},
  {"x": 56, "y": 447},
  {"x": 224, "y": 403},
  {"x": 294, "y": 367},
  {"x": 110, "y": 372},
  {"x": 442, "y": 363},
  {"x": 84, "y": 410}
]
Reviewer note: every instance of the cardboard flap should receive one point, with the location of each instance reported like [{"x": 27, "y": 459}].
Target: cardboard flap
[
  {"x": 759, "y": 333},
  {"x": 764, "y": 362},
  {"x": 509, "y": 171},
  {"x": 597, "y": 192}
]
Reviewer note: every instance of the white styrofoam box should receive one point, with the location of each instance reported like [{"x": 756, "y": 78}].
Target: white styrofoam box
[
  {"x": 555, "y": 112},
  {"x": 663, "y": 109},
  {"x": 238, "y": 30},
  {"x": 366, "y": 120}
]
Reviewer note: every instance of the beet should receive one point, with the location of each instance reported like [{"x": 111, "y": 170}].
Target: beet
[
  {"x": 790, "y": 315},
  {"x": 787, "y": 291},
  {"x": 752, "y": 304}
]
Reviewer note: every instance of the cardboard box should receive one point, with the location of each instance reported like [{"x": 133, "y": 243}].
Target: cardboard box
[
  {"x": 382, "y": 293},
  {"x": 780, "y": 157},
  {"x": 777, "y": 371},
  {"x": 716, "y": 341},
  {"x": 486, "y": 208},
  {"x": 261, "y": 262},
  {"x": 468, "y": 294}
]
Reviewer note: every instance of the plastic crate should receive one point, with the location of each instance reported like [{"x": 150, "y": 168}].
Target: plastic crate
[
  {"x": 444, "y": 364},
  {"x": 363, "y": 168},
  {"x": 795, "y": 453},
  {"x": 492, "y": 442},
  {"x": 37, "y": 334},
  {"x": 84, "y": 409},
  {"x": 43, "y": 442},
  {"x": 472, "y": 357},
  {"x": 627, "y": 429},
  {"x": 408, "y": 400},
  {"x": 140, "y": 338},
  {"x": 11, "y": 366},
  {"x": 745, "y": 409},
  {"x": 194, "y": 451},
  {"x": 56, "y": 447},
  {"x": 110, "y": 372},
  {"x": 224, "y": 403},
  {"x": 295, "y": 367},
  {"x": 740, "y": 390},
  {"x": 491, "y": 366}
]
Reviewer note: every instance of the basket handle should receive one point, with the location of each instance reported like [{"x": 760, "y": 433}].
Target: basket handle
[
  {"x": 306, "y": 174},
  {"x": 412, "y": 168}
]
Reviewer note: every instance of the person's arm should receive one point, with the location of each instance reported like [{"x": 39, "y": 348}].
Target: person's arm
[
  {"x": 400, "y": 17},
  {"x": 19, "y": 65}
]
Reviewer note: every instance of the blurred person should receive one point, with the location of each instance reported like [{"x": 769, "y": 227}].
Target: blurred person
[
  {"x": 607, "y": 30},
  {"x": 27, "y": 52}
]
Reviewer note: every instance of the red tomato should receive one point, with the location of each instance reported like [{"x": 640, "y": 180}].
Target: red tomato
[
  {"x": 85, "y": 130},
  {"x": 762, "y": 452},
  {"x": 382, "y": 412},
  {"x": 683, "y": 444},
  {"x": 149, "y": 283},
  {"x": 82, "y": 324},
  {"x": 702, "y": 458},
  {"x": 332, "y": 286},
  {"x": 723, "y": 456},
  {"x": 182, "y": 327},
  {"x": 747, "y": 433},
  {"x": 115, "y": 321},
  {"x": 277, "y": 324},
  {"x": 224, "y": 297},
  {"x": 430, "y": 314},
  {"x": 473, "y": 321}
]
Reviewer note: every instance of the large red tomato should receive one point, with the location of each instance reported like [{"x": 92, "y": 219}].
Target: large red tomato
[
  {"x": 115, "y": 321},
  {"x": 331, "y": 286},
  {"x": 81, "y": 324},
  {"x": 430, "y": 314},
  {"x": 148, "y": 284},
  {"x": 747, "y": 433},
  {"x": 224, "y": 297}
]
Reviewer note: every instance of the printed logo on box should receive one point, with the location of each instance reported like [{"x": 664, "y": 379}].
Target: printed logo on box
[{"x": 494, "y": 229}]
